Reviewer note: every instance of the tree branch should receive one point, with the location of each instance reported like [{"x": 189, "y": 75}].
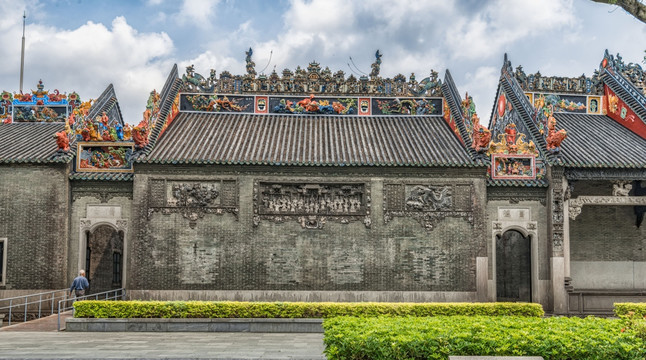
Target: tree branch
[{"x": 634, "y": 7}]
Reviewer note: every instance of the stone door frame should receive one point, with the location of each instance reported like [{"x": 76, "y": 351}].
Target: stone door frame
[
  {"x": 92, "y": 223},
  {"x": 529, "y": 229}
]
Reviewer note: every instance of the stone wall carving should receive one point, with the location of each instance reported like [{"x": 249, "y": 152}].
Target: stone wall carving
[
  {"x": 577, "y": 203},
  {"x": 101, "y": 193},
  {"x": 557, "y": 212},
  {"x": 516, "y": 195},
  {"x": 192, "y": 198},
  {"x": 311, "y": 205},
  {"x": 428, "y": 203}
]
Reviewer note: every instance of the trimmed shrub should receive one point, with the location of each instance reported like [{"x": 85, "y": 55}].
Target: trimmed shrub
[
  {"x": 233, "y": 309},
  {"x": 622, "y": 309},
  {"x": 438, "y": 337}
]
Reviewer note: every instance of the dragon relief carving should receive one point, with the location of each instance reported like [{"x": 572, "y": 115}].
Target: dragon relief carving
[
  {"x": 432, "y": 198},
  {"x": 428, "y": 205}
]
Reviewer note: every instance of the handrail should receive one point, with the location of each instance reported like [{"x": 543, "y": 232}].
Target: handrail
[
  {"x": 116, "y": 295},
  {"x": 15, "y": 303}
]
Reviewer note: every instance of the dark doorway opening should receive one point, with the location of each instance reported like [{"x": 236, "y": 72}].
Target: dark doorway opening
[
  {"x": 104, "y": 260},
  {"x": 513, "y": 267}
]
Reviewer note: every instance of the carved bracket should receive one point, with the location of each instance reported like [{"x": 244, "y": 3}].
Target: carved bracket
[
  {"x": 577, "y": 203},
  {"x": 311, "y": 205}
]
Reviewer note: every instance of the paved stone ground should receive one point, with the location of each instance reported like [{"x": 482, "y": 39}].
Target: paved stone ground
[
  {"x": 62, "y": 345},
  {"x": 38, "y": 339},
  {"x": 48, "y": 323}
]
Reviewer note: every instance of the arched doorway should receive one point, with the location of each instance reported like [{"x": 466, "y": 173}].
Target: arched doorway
[
  {"x": 513, "y": 267},
  {"x": 104, "y": 258}
]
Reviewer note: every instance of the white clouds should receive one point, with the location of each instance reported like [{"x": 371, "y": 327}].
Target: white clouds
[
  {"x": 468, "y": 36},
  {"x": 482, "y": 86},
  {"x": 501, "y": 23},
  {"x": 88, "y": 58},
  {"x": 200, "y": 13}
]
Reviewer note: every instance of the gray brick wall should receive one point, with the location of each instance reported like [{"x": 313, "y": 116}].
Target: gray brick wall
[
  {"x": 605, "y": 233},
  {"x": 34, "y": 209},
  {"x": 226, "y": 252}
]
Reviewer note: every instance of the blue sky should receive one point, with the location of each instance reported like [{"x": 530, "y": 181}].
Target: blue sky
[{"x": 81, "y": 45}]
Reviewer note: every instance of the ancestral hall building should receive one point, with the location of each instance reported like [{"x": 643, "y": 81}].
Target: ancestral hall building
[{"x": 310, "y": 185}]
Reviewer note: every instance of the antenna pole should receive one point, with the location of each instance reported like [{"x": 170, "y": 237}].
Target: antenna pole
[{"x": 22, "y": 52}]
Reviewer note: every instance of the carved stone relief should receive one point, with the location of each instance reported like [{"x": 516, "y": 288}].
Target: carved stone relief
[
  {"x": 428, "y": 204},
  {"x": 515, "y": 196},
  {"x": 557, "y": 213},
  {"x": 192, "y": 198},
  {"x": 621, "y": 188},
  {"x": 311, "y": 205},
  {"x": 102, "y": 195},
  {"x": 577, "y": 203}
]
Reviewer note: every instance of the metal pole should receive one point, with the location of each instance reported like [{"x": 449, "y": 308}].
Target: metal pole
[
  {"x": 10, "y": 306},
  {"x": 26, "y": 298},
  {"x": 52, "y": 308},
  {"x": 22, "y": 52},
  {"x": 40, "y": 304}
]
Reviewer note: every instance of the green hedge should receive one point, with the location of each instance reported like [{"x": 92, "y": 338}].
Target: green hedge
[
  {"x": 623, "y": 309},
  {"x": 231, "y": 309},
  {"x": 438, "y": 337}
]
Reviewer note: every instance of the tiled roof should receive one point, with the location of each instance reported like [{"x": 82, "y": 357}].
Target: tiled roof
[
  {"x": 167, "y": 96},
  {"x": 454, "y": 100},
  {"x": 516, "y": 183},
  {"x": 31, "y": 143},
  {"x": 225, "y": 138},
  {"x": 104, "y": 176},
  {"x": 599, "y": 141},
  {"x": 107, "y": 102}
]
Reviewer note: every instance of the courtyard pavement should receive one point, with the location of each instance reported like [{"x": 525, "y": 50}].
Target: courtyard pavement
[{"x": 40, "y": 340}]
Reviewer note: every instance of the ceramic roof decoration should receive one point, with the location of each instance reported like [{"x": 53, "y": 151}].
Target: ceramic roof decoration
[
  {"x": 309, "y": 117},
  {"x": 38, "y": 106},
  {"x": 578, "y": 123}
]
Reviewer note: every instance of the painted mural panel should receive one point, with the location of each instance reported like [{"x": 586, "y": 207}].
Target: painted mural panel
[
  {"x": 514, "y": 167},
  {"x": 325, "y": 105},
  {"x": 104, "y": 157},
  {"x": 621, "y": 113}
]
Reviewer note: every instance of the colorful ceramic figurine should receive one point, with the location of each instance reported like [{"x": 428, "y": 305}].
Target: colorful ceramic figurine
[{"x": 62, "y": 141}]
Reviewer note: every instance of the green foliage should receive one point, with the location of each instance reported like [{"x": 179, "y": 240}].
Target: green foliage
[
  {"x": 622, "y": 309},
  {"x": 438, "y": 337},
  {"x": 232, "y": 309},
  {"x": 634, "y": 317}
]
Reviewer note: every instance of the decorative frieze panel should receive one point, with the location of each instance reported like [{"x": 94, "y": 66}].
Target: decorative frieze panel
[
  {"x": 577, "y": 203},
  {"x": 326, "y": 105},
  {"x": 101, "y": 193},
  {"x": 311, "y": 205},
  {"x": 192, "y": 198},
  {"x": 428, "y": 203}
]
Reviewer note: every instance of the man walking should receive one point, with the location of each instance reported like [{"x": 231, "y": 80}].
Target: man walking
[{"x": 79, "y": 285}]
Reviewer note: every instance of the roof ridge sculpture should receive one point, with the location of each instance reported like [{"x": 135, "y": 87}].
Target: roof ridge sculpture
[{"x": 314, "y": 80}]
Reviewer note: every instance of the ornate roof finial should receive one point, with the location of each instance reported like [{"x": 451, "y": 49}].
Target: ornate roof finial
[
  {"x": 376, "y": 65},
  {"x": 251, "y": 71}
]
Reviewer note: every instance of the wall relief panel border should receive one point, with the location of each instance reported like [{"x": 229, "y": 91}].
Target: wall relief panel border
[
  {"x": 311, "y": 204},
  {"x": 193, "y": 198},
  {"x": 428, "y": 203}
]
